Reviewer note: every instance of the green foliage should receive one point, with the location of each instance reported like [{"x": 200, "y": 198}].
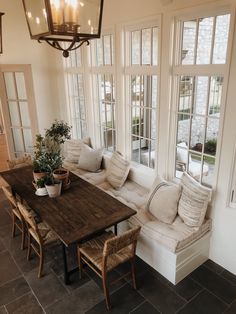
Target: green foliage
[
  {"x": 210, "y": 146},
  {"x": 47, "y": 154},
  {"x": 40, "y": 183}
]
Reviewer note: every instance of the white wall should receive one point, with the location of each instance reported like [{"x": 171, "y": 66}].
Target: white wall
[
  {"x": 18, "y": 48},
  {"x": 50, "y": 98}
]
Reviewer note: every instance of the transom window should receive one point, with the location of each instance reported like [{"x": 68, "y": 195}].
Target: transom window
[{"x": 204, "y": 42}]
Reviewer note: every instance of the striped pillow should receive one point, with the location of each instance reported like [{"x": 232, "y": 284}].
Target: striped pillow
[
  {"x": 117, "y": 171},
  {"x": 193, "y": 201}
]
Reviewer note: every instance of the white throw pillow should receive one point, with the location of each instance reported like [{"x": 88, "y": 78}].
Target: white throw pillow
[
  {"x": 118, "y": 170},
  {"x": 90, "y": 159},
  {"x": 163, "y": 200},
  {"x": 193, "y": 201},
  {"x": 73, "y": 149}
]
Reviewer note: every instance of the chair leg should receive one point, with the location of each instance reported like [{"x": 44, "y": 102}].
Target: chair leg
[
  {"x": 80, "y": 263},
  {"x": 105, "y": 289},
  {"x": 23, "y": 235},
  {"x": 132, "y": 261},
  {"x": 41, "y": 259},
  {"x": 13, "y": 225},
  {"x": 29, "y": 246}
]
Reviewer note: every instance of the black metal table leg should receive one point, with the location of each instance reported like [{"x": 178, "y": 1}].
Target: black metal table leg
[
  {"x": 66, "y": 273},
  {"x": 115, "y": 229}
]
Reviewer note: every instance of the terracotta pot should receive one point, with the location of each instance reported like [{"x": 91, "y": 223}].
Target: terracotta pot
[
  {"x": 54, "y": 190},
  {"x": 39, "y": 175},
  {"x": 62, "y": 175}
]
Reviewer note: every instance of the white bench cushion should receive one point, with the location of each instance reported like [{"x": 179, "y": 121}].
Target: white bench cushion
[{"x": 175, "y": 237}]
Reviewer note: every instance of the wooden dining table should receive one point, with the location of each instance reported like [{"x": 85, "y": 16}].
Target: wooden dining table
[{"x": 78, "y": 214}]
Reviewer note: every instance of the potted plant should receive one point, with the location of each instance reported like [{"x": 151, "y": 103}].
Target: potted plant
[
  {"x": 47, "y": 154},
  {"x": 53, "y": 186},
  {"x": 40, "y": 187}
]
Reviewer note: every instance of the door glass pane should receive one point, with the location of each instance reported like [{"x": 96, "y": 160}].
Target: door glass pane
[
  {"x": 221, "y": 39},
  {"x": 28, "y": 140},
  {"x": 204, "y": 40},
  {"x": 20, "y": 84},
  {"x": 25, "y": 119},
  {"x": 211, "y": 136},
  {"x": 107, "y": 50},
  {"x": 10, "y": 85},
  {"x": 208, "y": 170},
  {"x": 14, "y": 114},
  {"x": 215, "y": 95},
  {"x": 188, "y": 45},
  {"x": 18, "y": 140}
]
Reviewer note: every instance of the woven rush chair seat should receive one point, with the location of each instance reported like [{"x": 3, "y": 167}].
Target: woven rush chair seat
[
  {"x": 93, "y": 250},
  {"x": 17, "y": 219},
  {"x": 41, "y": 233},
  {"x": 107, "y": 251},
  {"x": 47, "y": 235}
]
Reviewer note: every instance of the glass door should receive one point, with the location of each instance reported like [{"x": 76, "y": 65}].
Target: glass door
[{"x": 18, "y": 108}]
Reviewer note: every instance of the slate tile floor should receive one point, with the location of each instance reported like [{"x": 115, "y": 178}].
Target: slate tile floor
[{"x": 210, "y": 289}]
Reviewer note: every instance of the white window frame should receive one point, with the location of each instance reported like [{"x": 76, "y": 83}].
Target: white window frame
[
  {"x": 198, "y": 70},
  {"x": 128, "y": 71}
]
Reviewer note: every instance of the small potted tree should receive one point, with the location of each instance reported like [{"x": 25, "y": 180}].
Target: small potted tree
[{"x": 47, "y": 154}]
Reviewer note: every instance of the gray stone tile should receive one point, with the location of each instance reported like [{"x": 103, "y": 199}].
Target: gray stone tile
[
  {"x": 75, "y": 281},
  {"x": 13, "y": 290},
  {"x": 5, "y": 218},
  {"x": 48, "y": 289},
  {"x": 160, "y": 295},
  {"x": 147, "y": 308},
  {"x": 13, "y": 245},
  {"x": 2, "y": 246},
  {"x": 3, "y": 310},
  {"x": 26, "y": 304},
  {"x": 78, "y": 301},
  {"x": 204, "y": 303},
  {"x": 219, "y": 286},
  {"x": 231, "y": 309},
  {"x": 123, "y": 301},
  {"x": 229, "y": 276},
  {"x": 213, "y": 266},
  {"x": 187, "y": 288},
  {"x": 8, "y": 268}
]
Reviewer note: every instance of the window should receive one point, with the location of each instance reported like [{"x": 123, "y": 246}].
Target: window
[
  {"x": 203, "y": 47},
  {"x": 103, "y": 70},
  {"x": 76, "y": 94},
  {"x": 142, "y": 82}
]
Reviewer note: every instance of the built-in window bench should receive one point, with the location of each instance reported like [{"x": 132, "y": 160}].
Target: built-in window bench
[{"x": 174, "y": 250}]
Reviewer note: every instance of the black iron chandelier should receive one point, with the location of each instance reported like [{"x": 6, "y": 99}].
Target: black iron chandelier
[
  {"x": 71, "y": 21},
  {"x": 1, "y": 14}
]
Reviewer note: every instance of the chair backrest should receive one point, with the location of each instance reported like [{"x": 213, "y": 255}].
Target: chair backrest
[
  {"x": 117, "y": 243},
  {"x": 19, "y": 162},
  {"x": 28, "y": 217},
  {"x": 8, "y": 193}
]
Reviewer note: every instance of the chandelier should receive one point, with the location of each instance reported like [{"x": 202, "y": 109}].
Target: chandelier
[
  {"x": 72, "y": 21},
  {"x": 1, "y": 14}
]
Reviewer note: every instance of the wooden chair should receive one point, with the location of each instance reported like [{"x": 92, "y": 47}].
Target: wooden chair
[
  {"x": 17, "y": 219},
  {"x": 19, "y": 162},
  {"x": 40, "y": 233},
  {"x": 107, "y": 251}
]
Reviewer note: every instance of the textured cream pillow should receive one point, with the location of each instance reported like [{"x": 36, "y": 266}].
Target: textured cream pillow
[
  {"x": 73, "y": 149},
  {"x": 90, "y": 159},
  {"x": 193, "y": 201},
  {"x": 118, "y": 170},
  {"x": 163, "y": 200}
]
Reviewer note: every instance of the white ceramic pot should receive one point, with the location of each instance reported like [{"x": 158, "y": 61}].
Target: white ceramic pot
[
  {"x": 54, "y": 190},
  {"x": 41, "y": 191}
]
